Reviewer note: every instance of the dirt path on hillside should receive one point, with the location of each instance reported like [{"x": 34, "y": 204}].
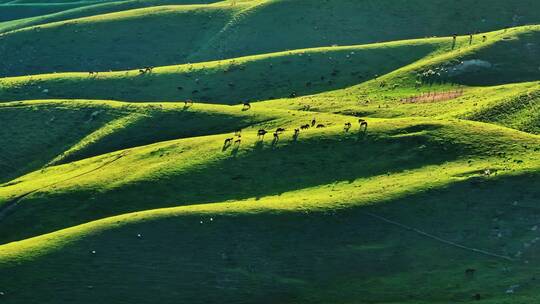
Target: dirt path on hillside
[{"x": 436, "y": 238}]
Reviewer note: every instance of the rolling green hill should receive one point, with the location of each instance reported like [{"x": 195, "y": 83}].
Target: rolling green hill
[
  {"x": 305, "y": 72},
  {"x": 136, "y": 185},
  {"x": 221, "y": 31},
  {"x": 18, "y": 11},
  {"x": 283, "y": 74},
  {"x": 83, "y": 9}
]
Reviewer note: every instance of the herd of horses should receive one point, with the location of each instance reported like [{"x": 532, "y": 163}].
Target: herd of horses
[{"x": 261, "y": 133}]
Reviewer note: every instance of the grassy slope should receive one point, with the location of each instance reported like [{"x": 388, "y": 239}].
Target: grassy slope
[
  {"x": 32, "y": 135},
  {"x": 18, "y": 11},
  {"x": 115, "y": 41},
  {"x": 218, "y": 38},
  {"x": 512, "y": 105},
  {"x": 521, "y": 111},
  {"x": 289, "y": 223},
  {"x": 89, "y": 9},
  {"x": 367, "y": 256},
  {"x": 307, "y": 72},
  {"x": 37, "y": 133},
  {"x": 279, "y": 24},
  {"x": 161, "y": 173},
  {"x": 261, "y": 77}
]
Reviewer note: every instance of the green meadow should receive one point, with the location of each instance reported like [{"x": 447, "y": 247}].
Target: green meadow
[{"x": 406, "y": 168}]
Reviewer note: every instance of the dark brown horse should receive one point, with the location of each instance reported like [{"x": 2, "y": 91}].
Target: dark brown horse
[
  {"x": 363, "y": 124},
  {"x": 261, "y": 133}
]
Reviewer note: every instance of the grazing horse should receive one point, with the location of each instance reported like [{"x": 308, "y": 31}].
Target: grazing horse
[
  {"x": 313, "y": 122},
  {"x": 304, "y": 127},
  {"x": 363, "y": 124},
  {"x": 276, "y": 139},
  {"x": 238, "y": 141},
  {"x": 228, "y": 141},
  {"x": 188, "y": 103},
  {"x": 296, "y": 134},
  {"x": 261, "y": 133},
  {"x": 93, "y": 73},
  {"x": 320, "y": 126},
  {"x": 280, "y": 130},
  {"x": 246, "y": 106},
  {"x": 146, "y": 70},
  {"x": 347, "y": 127}
]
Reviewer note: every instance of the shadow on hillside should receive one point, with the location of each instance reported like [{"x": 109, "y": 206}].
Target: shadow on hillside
[
  {"x": 507, "y": 61},
  {"x": 160, "y": 126},
  {"x": 32, "y": 136},
  {"x": 262, "y": 172},
  {"x": 307, "y": 257},
  {"x": 285, "y": 76}
]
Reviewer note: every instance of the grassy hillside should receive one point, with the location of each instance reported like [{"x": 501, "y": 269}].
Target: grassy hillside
[
  {"x": 285, "y": 74},
  {"x": 411, "y": 66},
  {"x": 360, "y": 255},
  {"x": 49, "y": 132},
  {"x": 279, "y": 24},
  {"x": 150, "y": 36},
  {"x": 83, "y": 9},
  {"x": 122, "y": 186},
  {"x": 33, "y": 134},
  {"x": 159, "y": 174},
  {"x": 115, "y": 41},
  {"x": 18, "y": 11}
]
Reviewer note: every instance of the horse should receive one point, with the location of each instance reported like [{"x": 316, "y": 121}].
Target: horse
[
  {"x": 261, "y": 133},
  {"x": 228, "y": 141},
  {"x": 363, "y": 124}
]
